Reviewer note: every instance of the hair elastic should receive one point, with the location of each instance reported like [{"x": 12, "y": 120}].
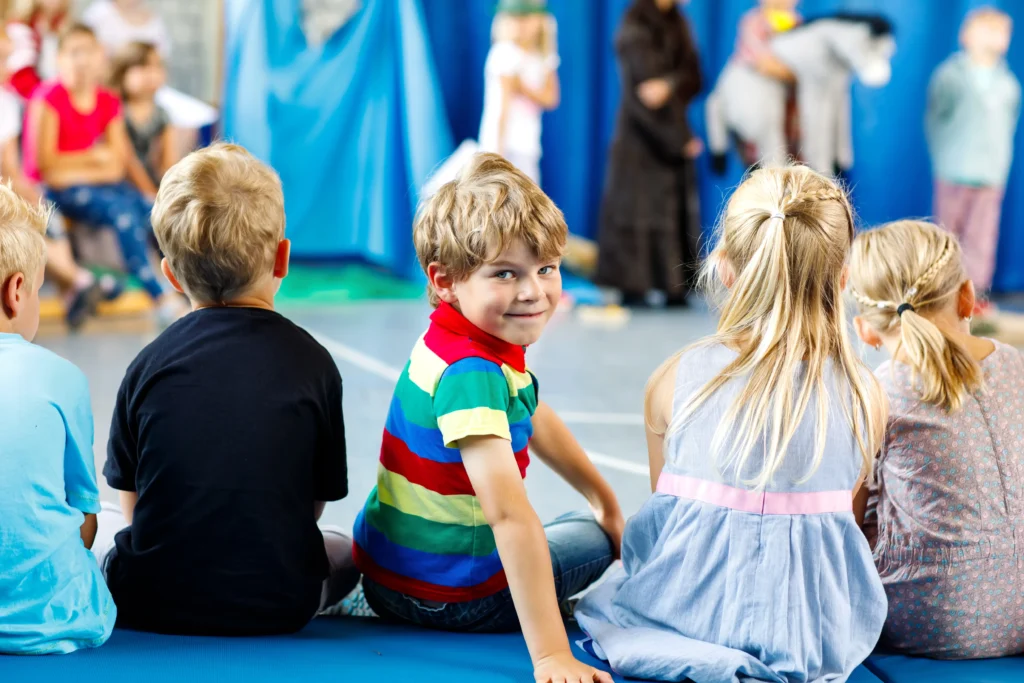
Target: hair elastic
[
  {"x": 779, "y": 215},
  {"x": 903, "y": 308}
]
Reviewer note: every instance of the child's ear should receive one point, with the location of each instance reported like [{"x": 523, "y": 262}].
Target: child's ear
[
  {"x": 281, "y": 259},
  {"x": 165, "y": 268},
  {"x": 966, "y": 301},
  {"x": 844, "y": 279},
  {"x": 867, "y": 334},
  {"x": 442, "y": 283},
  {"x": 726, "y": 273},
  {"x": 13, "y": 295}
]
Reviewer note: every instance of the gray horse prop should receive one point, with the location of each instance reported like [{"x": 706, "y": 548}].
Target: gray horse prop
[{"x": 825, "y": 54}]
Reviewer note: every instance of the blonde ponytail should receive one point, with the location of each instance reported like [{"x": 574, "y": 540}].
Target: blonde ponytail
[
  {"x": 785, "y": 235},
  {"x": 929, "y": 259}
]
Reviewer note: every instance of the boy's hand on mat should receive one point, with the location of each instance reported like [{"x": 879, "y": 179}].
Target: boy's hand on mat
[
  {"x": 610, "y": 519},
  {"x": 564, "y": 668}
]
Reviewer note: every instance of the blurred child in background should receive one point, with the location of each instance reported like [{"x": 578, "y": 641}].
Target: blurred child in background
[
  {"x": 34, "y": 27},
  {"x": 972, "y": 114},
  {"x": 80, "y": 288},
  {"x": 76, "y": 144},
  {"x": 137, "y": 74},
  {"x": 520, "y": 83}
]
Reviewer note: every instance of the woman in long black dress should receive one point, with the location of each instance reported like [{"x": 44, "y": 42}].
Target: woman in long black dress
[{"x": 650, "y": 218}]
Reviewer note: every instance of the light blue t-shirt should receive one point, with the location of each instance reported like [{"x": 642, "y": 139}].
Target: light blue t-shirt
[{"x": 52, "y": 595}]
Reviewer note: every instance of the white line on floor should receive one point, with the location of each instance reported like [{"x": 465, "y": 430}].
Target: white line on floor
[
  {"x": 602, "y": 460},
  {"x": 357, "y": 358},
  {"x": 384, "y": 371}
]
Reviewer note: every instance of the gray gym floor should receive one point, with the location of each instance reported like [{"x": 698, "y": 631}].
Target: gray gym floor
[{"x": 592, "y": 373}]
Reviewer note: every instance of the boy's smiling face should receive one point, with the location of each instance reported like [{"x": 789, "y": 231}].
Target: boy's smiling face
[{"x": 511, "y": 298}]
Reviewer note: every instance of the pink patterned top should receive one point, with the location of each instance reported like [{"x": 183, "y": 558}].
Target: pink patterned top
[{"x": 947, "y": 519}]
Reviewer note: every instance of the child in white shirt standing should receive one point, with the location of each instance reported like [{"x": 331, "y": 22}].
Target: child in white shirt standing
[{"x": 520, "y": 83}]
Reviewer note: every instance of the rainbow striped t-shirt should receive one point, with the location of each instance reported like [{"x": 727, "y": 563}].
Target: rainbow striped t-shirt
[{"x": 422, "y": 532}]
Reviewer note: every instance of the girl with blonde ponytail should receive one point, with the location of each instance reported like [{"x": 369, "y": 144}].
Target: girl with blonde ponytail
[
  {"x": 948, "y": 514},
  {"x": 759, "y": 438}
]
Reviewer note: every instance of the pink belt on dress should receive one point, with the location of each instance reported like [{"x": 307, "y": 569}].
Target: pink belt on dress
[{"x": 756, "y": 502}]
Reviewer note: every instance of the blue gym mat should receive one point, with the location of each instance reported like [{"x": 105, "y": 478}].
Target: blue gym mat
[
  {"x": 893, "y": 669},
  {"x": 340, "y": 650}
]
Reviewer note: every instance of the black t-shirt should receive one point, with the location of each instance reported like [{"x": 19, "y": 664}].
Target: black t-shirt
[{"x": 229, "y": 426}]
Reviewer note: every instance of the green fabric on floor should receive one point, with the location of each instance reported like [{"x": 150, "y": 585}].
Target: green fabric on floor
[{"x": 326, "y": 285}]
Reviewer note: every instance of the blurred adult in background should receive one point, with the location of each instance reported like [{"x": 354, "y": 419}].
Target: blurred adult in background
[
  {"x": 973, "y": 109},
  {"x": 34, "y": 27},
  {"x": 650, "y": 218},
  {"x": 520, "y": 83}
]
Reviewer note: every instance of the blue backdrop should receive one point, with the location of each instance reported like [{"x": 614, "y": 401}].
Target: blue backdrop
[
  {"x": 348, "y": 121},
  {"x": 351, "y": 126}
]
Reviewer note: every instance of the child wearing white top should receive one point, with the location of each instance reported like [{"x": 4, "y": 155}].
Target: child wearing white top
[{"x": 520, "y": 83}]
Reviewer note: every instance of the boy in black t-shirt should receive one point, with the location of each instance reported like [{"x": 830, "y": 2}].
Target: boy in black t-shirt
[{"x": 227, "y": 437}]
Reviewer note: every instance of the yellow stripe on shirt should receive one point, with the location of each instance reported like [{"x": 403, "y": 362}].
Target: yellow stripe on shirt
[
  {"x": 459, "y": 424},
  {"x": 425, "y": 367},
  {"x": 398, "y": 492}
]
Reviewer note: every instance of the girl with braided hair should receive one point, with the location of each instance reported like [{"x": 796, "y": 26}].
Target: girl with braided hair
[
  {"x": 748, "y": 562},
  {"x": 946, "y": 513}
]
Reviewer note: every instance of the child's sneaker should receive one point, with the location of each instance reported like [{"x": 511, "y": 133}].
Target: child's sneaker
[
  {"x": 81, "y": 304},
  {"x": 352, "y": 605}
]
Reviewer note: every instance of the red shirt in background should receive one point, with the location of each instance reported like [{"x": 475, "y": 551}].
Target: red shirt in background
[{"x": 76, "y": 131}]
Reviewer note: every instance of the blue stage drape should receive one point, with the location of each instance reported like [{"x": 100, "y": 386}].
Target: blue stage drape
[
  {"x": 354, "y": 127},
  {"x": 891, "y": 178}
]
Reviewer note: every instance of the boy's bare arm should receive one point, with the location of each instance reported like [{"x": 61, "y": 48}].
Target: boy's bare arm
[
  {"x": 88, "y": 530},
  {"x": 555, "y": 445},
  {"x": 523, "y": 549},
  {"x": 128, "y": 499}
]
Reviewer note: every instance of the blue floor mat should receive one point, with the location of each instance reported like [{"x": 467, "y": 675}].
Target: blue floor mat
[
  {"x": 893, "y": 669},
  {"x": 328, "y": 650}
]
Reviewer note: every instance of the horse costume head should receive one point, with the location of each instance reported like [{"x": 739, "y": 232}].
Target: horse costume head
[
  {"x": 843, "y": 44},
  {"x": 825, "y": 54}
]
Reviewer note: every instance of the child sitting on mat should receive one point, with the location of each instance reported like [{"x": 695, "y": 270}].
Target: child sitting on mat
[
  {"x": 747, "y": 563},
  {"x": 76, "y": 145},
  {"x": 448, "y": 538},
  {"x": 227, "y": 437},
  {"x": 949, "y": 507},
  {"x": 52, "y": 595}
]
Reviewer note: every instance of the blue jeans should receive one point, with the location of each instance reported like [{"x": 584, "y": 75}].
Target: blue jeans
[
  {"x": 122, "y": 208},
  {"x": 580, "y": 554}
]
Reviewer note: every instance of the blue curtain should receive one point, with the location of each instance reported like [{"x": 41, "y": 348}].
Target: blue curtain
[
  {"x": 353, "y": 127},
  {"x": 891, "y": 177}
]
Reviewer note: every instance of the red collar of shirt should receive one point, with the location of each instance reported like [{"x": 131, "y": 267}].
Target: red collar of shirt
[{"x": 449, "y": 318}]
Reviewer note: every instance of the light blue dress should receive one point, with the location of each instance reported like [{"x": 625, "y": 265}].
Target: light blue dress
[{"x": 721, "y": 583}]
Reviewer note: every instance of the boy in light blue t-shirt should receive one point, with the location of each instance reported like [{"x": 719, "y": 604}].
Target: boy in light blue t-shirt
[{"x": 52, "y": 596}]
